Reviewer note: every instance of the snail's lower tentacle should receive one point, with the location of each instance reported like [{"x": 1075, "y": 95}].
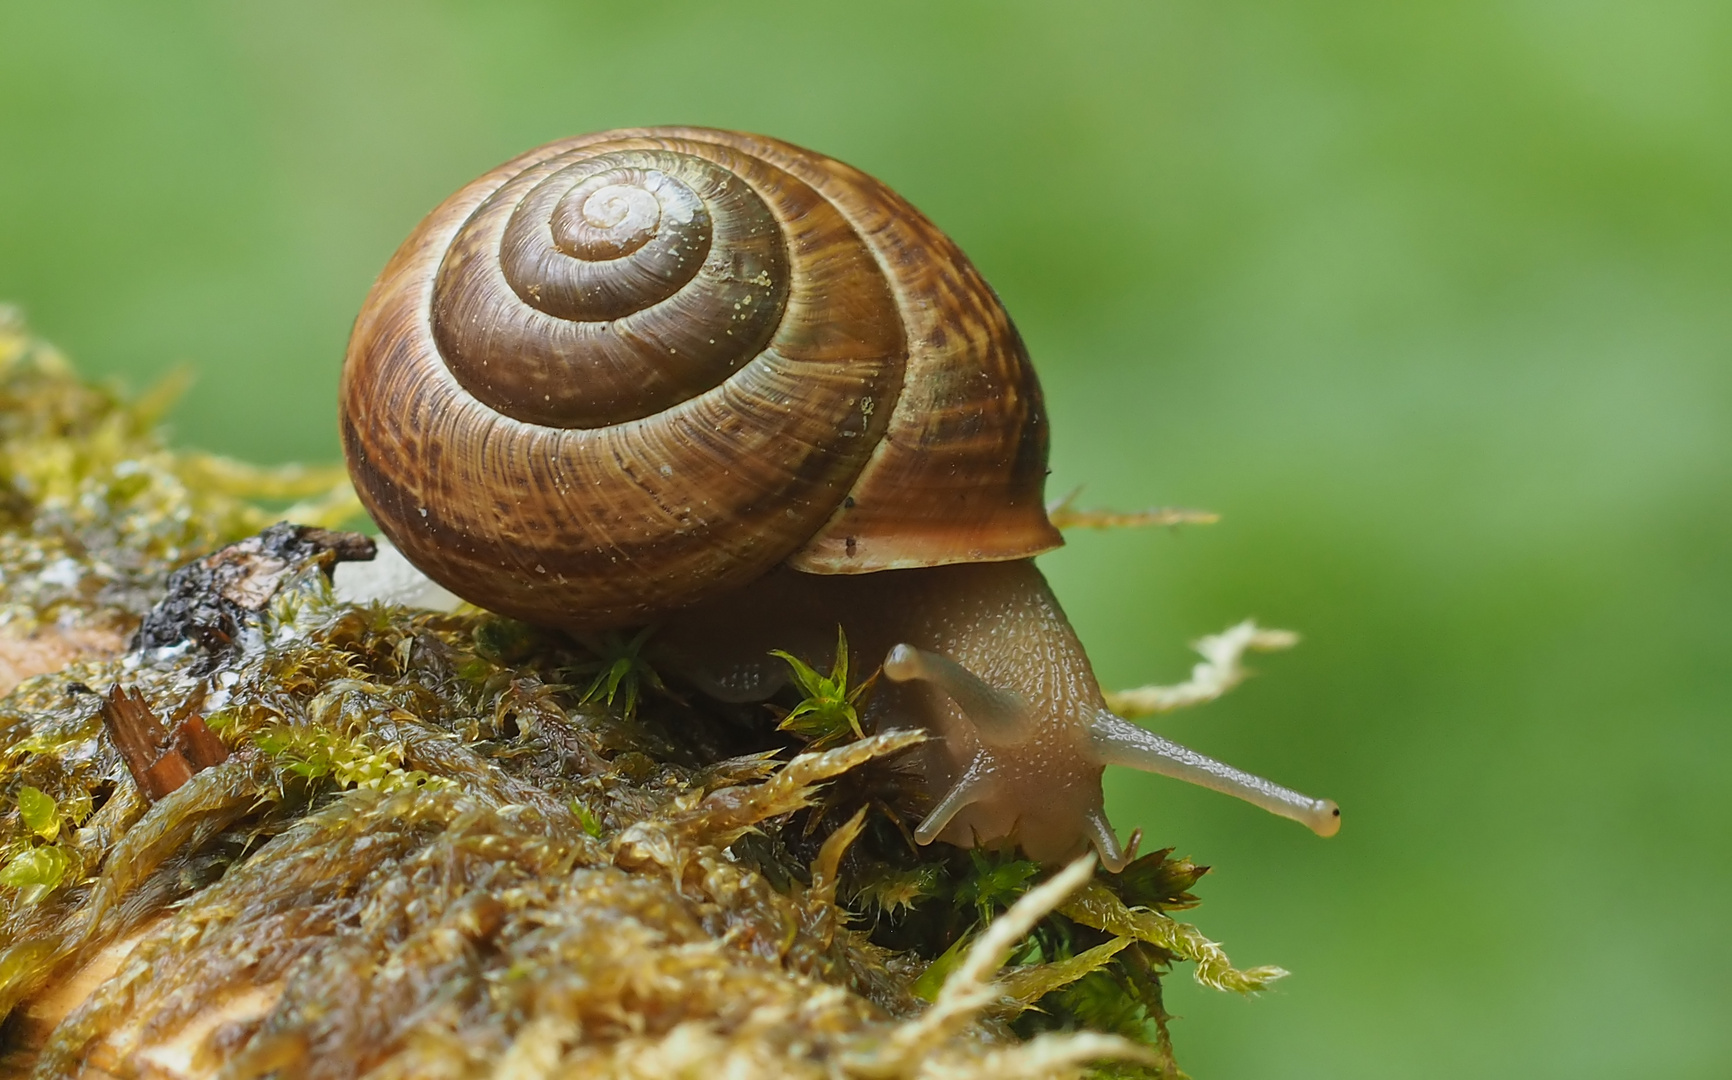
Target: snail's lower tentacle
[
  {"x": 1105, "y": 841},
  {"x": 1120, "y": 742},
  {"x": 1002, "y": 717},
  {"x": 969, "y": 788}
]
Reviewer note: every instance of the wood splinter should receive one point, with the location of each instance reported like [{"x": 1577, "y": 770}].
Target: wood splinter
[{"x": 160, "y": 761}]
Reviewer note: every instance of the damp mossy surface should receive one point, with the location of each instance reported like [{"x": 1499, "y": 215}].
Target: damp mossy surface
[{"x": 449, "y": 844}]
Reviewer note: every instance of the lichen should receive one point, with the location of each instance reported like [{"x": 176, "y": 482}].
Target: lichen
[
  {"x": 95, "y": 511},
  {"x": 448, "y": 844}
]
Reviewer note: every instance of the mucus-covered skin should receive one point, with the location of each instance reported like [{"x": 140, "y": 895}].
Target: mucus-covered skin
[{"x": 1040, "y": 785}]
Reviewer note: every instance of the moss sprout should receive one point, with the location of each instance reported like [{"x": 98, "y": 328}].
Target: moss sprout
[{"x": 829, "y": 712}]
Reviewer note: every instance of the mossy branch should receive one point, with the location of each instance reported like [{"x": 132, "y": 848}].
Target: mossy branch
[
  {"x": 1095, "y": 905},
  {"x": 426, "y": 809}
]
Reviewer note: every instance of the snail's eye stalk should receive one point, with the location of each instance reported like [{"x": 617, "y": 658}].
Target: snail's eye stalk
[
  {"x": 1120, "y": 742},
  {"x": 1002, "y": 717}
]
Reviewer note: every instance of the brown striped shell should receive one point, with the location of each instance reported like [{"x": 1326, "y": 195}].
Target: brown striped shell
[{"x": 630, "y": 371}]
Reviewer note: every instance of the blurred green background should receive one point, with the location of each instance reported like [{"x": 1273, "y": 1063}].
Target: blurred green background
[{"x": 1430, "y": 301}]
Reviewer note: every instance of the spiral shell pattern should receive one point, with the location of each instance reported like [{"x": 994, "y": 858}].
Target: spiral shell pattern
[
  {"x": 630, "y": 371},
  {"x": 620, "y": 285}
]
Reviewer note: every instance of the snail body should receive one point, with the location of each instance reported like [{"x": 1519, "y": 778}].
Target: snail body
[{"x": 717, "y": 382}]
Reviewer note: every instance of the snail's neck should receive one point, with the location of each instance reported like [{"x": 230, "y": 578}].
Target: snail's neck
[
  {"x": 988, "y": 664},
  {"x": 997, "y": 619}
]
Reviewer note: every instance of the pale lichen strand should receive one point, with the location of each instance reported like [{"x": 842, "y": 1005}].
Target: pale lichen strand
[{"x": 427, "y": 855}]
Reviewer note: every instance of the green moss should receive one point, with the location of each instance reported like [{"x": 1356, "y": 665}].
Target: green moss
[
  {"x": 618, "y": 673},
  {"x": 829, "y": 711}
]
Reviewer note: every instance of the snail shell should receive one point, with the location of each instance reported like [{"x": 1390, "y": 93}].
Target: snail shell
[{"x": 630, "y": 371}]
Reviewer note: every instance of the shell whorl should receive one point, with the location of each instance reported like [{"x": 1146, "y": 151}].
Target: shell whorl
[
  {"x": 614, "y": 287},
  {"x": 633, "y": 370}
]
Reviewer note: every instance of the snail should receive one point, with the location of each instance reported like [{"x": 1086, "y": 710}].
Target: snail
[{"x": 721, "y": 384}]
